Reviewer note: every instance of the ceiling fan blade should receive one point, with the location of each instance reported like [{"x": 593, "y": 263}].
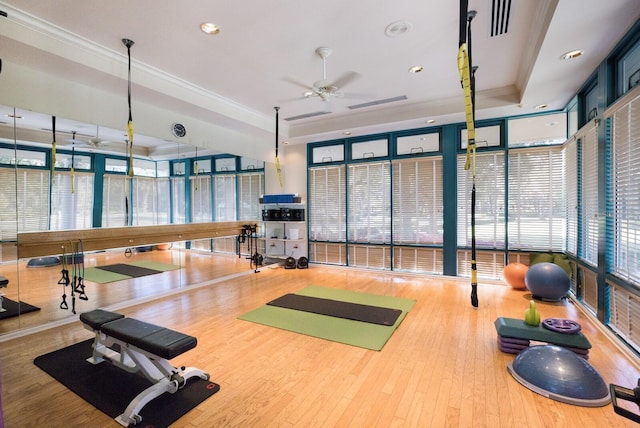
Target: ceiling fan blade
[
  {"x": 345, "y": 79},
  {"x": 297, "y": 83}
]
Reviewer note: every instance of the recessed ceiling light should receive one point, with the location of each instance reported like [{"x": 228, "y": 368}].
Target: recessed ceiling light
[
  {"x": 209, "y": 28},
  {"x": 572, "y": 54},
  {"x": 347, "y": 132},
  {"x": 540, "y": 106},
  {"x": 14, "y": 116},
  {"x": 430, "y": 121},
  {"x": 416, "y": 69},
  {"x": 285, "y": 142},
  {"x": 397, "y": 28}
]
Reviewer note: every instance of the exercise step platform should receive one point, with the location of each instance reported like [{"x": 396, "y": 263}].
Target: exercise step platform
[{"x": 514, "y": 335}]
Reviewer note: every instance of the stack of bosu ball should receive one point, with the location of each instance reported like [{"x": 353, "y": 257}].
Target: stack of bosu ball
[{"x": 547, "y": 278}]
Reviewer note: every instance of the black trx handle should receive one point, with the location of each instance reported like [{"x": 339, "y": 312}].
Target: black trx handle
[{"x": 64, "y": 281}]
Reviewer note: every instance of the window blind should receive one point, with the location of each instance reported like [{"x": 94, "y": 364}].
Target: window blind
[
  {"x": 571, "y": 189},
  {"x": 114, "y": 200},
  {"x": 537, "y": 200},
  {"x": 490, "y": 196},
  {"x": 369, "y": 202},
  {"x": 417, "y": 201},
  {"x": 71, "y": 210},
  {"x": 327, "y": 204},
  {"x": 8, "y": 204},
  {"x": 625, "y": 137},
  {"x": 225, "y": 197},
  {"x": 201, "y": 199},
  {"x": 150, "y": 201},
  {"x": 250, "y": 188},
  {"x": 178, "y": 202},
  {"x": 589, "y": 195}
]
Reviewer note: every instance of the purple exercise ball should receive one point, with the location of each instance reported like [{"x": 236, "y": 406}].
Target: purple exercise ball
[{"x": 547, "y": 281}]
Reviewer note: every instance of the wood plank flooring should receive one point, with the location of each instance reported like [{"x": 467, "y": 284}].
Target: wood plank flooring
[{"x": 441, "y": 368}]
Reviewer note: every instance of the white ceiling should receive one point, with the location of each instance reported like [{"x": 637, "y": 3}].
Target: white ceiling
[{"x": 234, "y": 79}]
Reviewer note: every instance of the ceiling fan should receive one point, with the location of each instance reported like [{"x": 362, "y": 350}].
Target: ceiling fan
[
  {"x": 326, "y": 89},
  {"x": 94, "y": 142}
]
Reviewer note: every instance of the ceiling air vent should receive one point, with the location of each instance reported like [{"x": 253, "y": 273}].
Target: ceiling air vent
[
  {"x": 500, "y": 13},
  {"x": 378, "y": 102},
  {"x": 304, "y": 116}
]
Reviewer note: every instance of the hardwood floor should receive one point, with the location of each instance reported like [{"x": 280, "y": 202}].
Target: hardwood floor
[{"x": 442, "y": 367}]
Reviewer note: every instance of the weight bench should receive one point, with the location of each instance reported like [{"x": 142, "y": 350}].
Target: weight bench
[{"x": 134, "y": 346}]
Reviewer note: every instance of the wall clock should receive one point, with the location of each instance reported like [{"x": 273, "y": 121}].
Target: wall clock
[{"x": 178, "y": 130}]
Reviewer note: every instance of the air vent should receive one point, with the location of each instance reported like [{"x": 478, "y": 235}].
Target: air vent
[
  {"x": 304, "y": 116},
  {"x": 378, "y": 102},
  {"x": 500, "y": 13}
]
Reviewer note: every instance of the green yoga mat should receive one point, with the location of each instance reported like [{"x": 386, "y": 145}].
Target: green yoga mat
[
  {"x": 101, "y": 276},
  {"x": 350, "y": 332}
]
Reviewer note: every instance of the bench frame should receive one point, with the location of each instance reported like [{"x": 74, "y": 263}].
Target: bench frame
[{"x": 159, "y": 371}]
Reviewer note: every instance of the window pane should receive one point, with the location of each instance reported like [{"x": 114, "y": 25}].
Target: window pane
[
  {"x": 115, "y": 200},
  {"x": 571, "y": 189},
  {"x": 225, "y": 197},
  {"x": 326, "y": 154},
  {"x": 626, "y": 184},
  {"x": 486, "y": 136},
  {"x": 537, "y": 199},
  {"x": 250, "y": 188},
  {"x": 145, "y": 168},
  {"x": 327, "y": 204},
  {"x": 369, "y": 202},
  {"x": 415, "y": 144},
  {"x": 589, "y": 195},
  {"x": 150, "y": 201},
  {"x": 370, "y": 149},
  {"x": 201, "y": 199},
  {"x": 178, "y": 204},
  {"x": 417, "y": 201},
  {"x": 225, "y": 164},
  {"x": 490, "y": 221},
  {"x": 71, "y": 201},
  {"x": 538, "y": 130}
]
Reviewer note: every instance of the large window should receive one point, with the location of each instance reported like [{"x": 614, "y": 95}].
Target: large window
[
  {"x": 625, "y": 145},
  {"x": 32, "y": 201},
  {"x": 537, "y": 199}
]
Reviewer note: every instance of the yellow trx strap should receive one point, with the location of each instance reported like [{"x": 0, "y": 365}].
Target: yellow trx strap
[{"x": 465, "y": 78}]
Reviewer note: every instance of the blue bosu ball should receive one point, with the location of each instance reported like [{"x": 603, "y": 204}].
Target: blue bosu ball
[{"x": 560, "y": 374}]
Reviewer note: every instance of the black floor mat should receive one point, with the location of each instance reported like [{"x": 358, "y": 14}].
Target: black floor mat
[
  {"x": 111, "y": 389},
  {"x": 13, "y": 308},
  {"x": 129, "y": 270},
  {"x": 336, "y": 308}
]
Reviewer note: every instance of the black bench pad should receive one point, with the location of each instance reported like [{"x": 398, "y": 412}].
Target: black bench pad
[
  {"x": 96, "y": 318},
  {"x": 4, "y": 281},
  {"x": 157, "y": 340}
]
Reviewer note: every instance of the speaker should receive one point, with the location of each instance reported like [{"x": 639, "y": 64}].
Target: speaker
[
  {"x": 297, "y": 214},
  {"x": 303, "y": 263}
]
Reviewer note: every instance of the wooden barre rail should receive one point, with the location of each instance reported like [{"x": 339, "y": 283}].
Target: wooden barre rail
[{"x": 38, "y": 244}]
